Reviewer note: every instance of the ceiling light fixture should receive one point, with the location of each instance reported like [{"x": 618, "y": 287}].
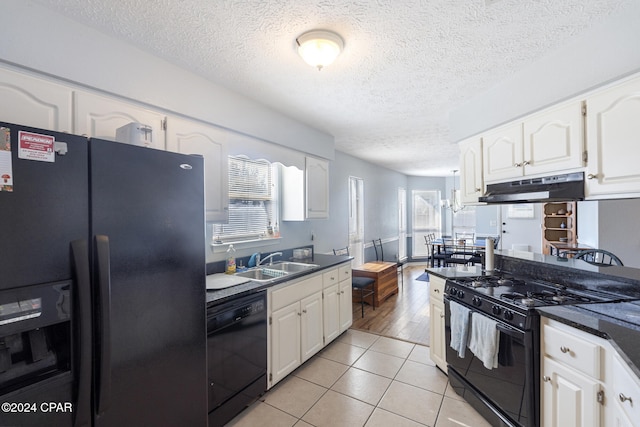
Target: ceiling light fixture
[{"x": 319, "y": 48}]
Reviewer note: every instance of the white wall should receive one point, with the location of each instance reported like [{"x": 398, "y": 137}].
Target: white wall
[{"x": 604, "y": 53}]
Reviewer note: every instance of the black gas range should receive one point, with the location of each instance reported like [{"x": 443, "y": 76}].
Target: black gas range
[
  {"x": 513, "y": 299},
  {"x": 507, "y": 395}
]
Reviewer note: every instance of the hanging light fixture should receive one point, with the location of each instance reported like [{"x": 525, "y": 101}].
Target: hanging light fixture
[
  {"x": 319, "y": 48},
  {"x": 454, "y": 203}
]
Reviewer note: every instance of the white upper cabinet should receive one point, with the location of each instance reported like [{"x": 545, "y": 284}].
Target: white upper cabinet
[
  {"x": 317, "y": 188},
  {"x": 99, "y": 117},
  {"x": 34, "y": 102},
  {"x": 502, "y": 153},
  {"x": 549, "y": 142},
  {"x": 191, "y": 137},
  {"x": 471, "y": 180},
  {"x": 554, "y": 140},
  {"x": 613, "y": 140}
]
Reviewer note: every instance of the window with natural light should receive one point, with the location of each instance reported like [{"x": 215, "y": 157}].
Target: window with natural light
[{"x": 253, "y": 202}]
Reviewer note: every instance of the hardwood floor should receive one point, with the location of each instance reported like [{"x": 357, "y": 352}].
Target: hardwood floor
[{"x": 404, "y": 316}]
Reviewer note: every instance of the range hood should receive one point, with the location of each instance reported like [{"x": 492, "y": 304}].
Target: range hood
[{"x": 556, "y": 188}]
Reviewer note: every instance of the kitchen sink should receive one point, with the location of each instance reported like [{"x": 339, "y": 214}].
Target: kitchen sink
[
  {"x": 290, "y": 267},
  {"x": 270, "y": 272}
]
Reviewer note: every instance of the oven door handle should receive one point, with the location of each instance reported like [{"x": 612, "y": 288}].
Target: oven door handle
[{"x": 510, "y": 331}]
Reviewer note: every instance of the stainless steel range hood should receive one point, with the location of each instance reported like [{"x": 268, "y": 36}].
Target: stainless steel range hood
[{"x": 556, "y": 188}]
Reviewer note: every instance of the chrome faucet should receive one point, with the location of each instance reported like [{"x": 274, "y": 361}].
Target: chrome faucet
[{"x": 268, "y": 257}]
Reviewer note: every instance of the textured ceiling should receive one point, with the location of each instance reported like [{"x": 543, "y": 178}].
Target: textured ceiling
[{"x": 386, "y": 99}]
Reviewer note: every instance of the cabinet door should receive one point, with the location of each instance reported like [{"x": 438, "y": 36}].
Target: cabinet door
[
  {"x": 471, "y": 184},
  {"x": 625, "y": 392},
  {"x": 554, "y": 140},
  {"x": 189, "y": 137},
  {"x": 613, "y": 140},
  {"x": 285, "y": 341},
  {"x": 331, "y": 311},
  {"x": 569, "y": 399},
  {"x": 317, "y": 188},
  {"x": 34, "y": 102},
  {"x": 311, "y": 325},
  {"x": 502, "y": 153},
  {"x": 437, "y": 349},
  {"x": 346, "y": 307},
  {"x": 99, "y": 117}
]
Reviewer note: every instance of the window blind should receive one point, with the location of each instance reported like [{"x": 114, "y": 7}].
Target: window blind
[{"x": 251, "y": 200}]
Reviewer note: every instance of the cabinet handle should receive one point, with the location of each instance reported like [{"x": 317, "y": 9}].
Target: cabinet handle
[
  {"x": 592, "y": 176},
  {"x": 442, "y": 316},
  {"x": 437, "y": 291},
  {"x": 518, "y": 165},
  {"x": 624, "y": 398},
  {"x": 478, "y": 190},
  {"x": 526, "y": 162},
  {"x": 304, "y": 311},
  {"x": 546, "y": 379},
  {"x": 565, "y": 349},
  {"x": 299, "y": 314}
]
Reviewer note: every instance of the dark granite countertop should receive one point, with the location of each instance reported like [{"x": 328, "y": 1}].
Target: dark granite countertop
[
  {"x": 217, "y": 296},
  {"x": 619, "y": 323}
]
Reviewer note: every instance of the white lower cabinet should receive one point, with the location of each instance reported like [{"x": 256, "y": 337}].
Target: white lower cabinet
[
  {"x": 584, "y": 381},
  {"x": 311, "y": 339},
  {"x": 437, "y": 349},
  {"x": 305, "y": 315},
  {"x": 338, "y": 312},
  {"x": 624, "y": 395},
  {"x": 570, "y": 398},
  {"x": 571, "y": 370}
]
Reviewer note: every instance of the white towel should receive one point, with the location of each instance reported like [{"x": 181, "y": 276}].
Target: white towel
[
  {"x": 484, "y": 340},
  {"x": 459, "y": 327}
]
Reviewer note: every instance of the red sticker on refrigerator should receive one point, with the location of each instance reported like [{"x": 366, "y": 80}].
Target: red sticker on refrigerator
[{"x": 35, "y": 146}]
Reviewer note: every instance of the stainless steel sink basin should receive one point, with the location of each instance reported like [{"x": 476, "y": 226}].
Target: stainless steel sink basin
[
  {"x": 270, "y": 272},
  {"x": 290, "y": 267},
  {"x": 262, "y": 274}
]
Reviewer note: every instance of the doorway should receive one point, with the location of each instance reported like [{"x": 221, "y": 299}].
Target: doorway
[
  {"x": 426, "y": 219},
  {"x": 402, "y": 224},
  {"x": 356, "y": 220}
]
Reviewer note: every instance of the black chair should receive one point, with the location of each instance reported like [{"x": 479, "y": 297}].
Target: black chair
[
  {"x": 440, "y": 255},
  {"x": 377, "y": 246},
  {"x": 458, "y": 254},
  {"x": 363, "y": 284},
  {"x": 598, "y": 257}
]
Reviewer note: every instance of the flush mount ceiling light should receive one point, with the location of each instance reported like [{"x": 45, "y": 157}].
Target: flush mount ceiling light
[{"x": 319, "y": 48}]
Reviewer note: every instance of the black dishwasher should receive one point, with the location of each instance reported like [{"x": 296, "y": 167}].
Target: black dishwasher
[{"x": 237, "y": 355}]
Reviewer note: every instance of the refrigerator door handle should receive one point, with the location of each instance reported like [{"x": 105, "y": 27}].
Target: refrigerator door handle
[
  {"x": 82, "y": 309},
  {"x": 103, "y": 288}
]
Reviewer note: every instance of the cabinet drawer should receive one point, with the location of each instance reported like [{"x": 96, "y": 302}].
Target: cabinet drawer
[
  {"x": 295, "y": 292},
  {"x": 437, "y": 288},
  {"x": 626, "y": 389},
  {"x": 330, "y": 278},
  {"x": 573, "y": 350},
  {"x": 344, "y": 272}
]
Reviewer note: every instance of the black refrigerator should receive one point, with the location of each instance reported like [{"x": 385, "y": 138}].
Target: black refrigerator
[{"x": 102, "y": 283}]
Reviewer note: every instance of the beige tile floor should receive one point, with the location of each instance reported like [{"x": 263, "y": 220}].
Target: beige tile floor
[{"x": 362, "y": 379}]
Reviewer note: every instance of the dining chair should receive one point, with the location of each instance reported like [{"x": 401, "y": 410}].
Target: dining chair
[
  {"x": 455, "y": 253},
  {"x": 598, "y": 257},
  {"x": 364, "y": 285},
  {"x": 377, "y": 246}
]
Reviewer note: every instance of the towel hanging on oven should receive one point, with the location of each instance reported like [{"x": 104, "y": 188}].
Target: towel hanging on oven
[
  {"x": 484, "y": 340},
  {"x": 459, "y": 327}
]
